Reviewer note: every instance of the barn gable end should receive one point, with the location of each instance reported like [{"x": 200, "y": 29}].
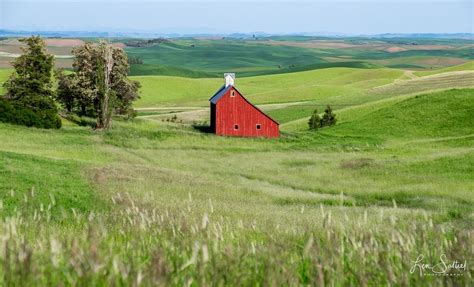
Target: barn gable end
[{"x": 233, "y": 115}]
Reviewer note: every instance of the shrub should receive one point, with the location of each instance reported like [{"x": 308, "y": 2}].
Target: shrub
[
  {"x": 44, "y": 116},
  {"x": 329, "y": 118},
  {"x": 315, "y": 121}
]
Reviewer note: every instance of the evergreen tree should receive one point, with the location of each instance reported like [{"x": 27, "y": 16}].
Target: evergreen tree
[
  {"x": 32, "y": 77},
  {"x": 329, "y": 118},
  {"x": 315, "y": 121},
  {"x": 29, "y": 87}
]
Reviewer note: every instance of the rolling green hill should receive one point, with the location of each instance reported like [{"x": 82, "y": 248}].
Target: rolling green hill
[
  {"x": 446, "y": 113},
  {"x": 406, "y": 160},
  {"x": 441, "y": 114},
  {"x": 339, "y": 87},
  {"x": 216, "y": 57},
  {"x": 469, "y": 66},
  {"x": 155, "y": 194},
  {"x": 149, "y": 69},
  {"x": 159, "y": 91},
  {"x": 393, "y": 91},
  {"x": 301, "y": 86},
  {"x": 250, "y": 57}
]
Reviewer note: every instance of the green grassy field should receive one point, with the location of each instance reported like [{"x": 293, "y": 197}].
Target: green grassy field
[
  {"x": 301, "y": 86},
  {"x": 161, "y": 203},
  {"x": 469, "y": 66},
  {"x": 337, "y": 86},
  {"x": 398, "y": 89},
  {"x": 152, "y": 202}
]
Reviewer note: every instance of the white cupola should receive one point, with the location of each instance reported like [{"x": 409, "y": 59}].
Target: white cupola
[{"x": 229, "y": 79}]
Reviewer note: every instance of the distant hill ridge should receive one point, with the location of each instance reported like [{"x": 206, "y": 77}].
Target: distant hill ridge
[{"x": 151, "y": 34}]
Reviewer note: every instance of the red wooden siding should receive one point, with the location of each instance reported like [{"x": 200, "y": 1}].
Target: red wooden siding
[{"x": 230, "y": 112}]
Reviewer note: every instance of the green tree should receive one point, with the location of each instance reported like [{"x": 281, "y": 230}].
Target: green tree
[
  {"x": 85, "y": 79},
  {"x": 30, "y": 85},
  {"x": 33, "y": 72},
  {"x": 126, "y": 91},
  {"x": 67, "y": 91},
  {"x": 100, "y": 86},
  {"x": 329, "y": 118},
  {"x": 315, "y": 121}
]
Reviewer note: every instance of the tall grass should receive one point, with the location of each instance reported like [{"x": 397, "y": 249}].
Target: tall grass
[
  {"x": 141, "y": 245},
  {"x": 159, "y": 203}
]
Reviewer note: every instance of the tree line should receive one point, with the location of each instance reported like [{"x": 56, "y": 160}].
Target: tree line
[{"x": 98, "y": 87}]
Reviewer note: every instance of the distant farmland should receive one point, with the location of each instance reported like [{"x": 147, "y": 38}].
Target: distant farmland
[
  {"x": 204, "y": 58},
  {"x": 264, "y": 56}
]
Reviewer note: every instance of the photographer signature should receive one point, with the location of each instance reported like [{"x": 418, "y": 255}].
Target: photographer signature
[{"x": 441, "y": 268}]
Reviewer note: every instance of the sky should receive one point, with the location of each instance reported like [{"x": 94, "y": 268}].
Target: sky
[{"x": 345, "y": 17}]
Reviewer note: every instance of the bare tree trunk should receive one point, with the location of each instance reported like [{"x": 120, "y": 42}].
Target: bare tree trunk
[{"x": 104, "y": 118}]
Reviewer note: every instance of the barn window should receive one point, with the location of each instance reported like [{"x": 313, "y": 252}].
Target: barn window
[
  {"x": 236, "y": 127},
  {"x": 232, "y": 93},
  {"x": 258, "y": 126}
]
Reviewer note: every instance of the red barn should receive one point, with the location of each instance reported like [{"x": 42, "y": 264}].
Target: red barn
[{"x": 233, "y": 115}]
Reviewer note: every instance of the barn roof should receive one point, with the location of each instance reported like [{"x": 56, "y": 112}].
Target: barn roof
[
  {"x": 223, "y": 90},
  {"x": 214, "y": 99}
]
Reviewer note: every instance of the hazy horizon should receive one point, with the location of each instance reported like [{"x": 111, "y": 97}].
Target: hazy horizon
[{"x": 349, "y": 17}]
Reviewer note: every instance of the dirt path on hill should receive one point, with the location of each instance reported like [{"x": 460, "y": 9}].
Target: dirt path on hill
[
  {"x": 455, "y": 79},
  {"x": 413, "y": 86},
  {"x": 190, "y": 108},
  {"x": 410, "y": 74},
  {"x": 197, "y": 114},
  {"x": 167, "y": 108}
]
